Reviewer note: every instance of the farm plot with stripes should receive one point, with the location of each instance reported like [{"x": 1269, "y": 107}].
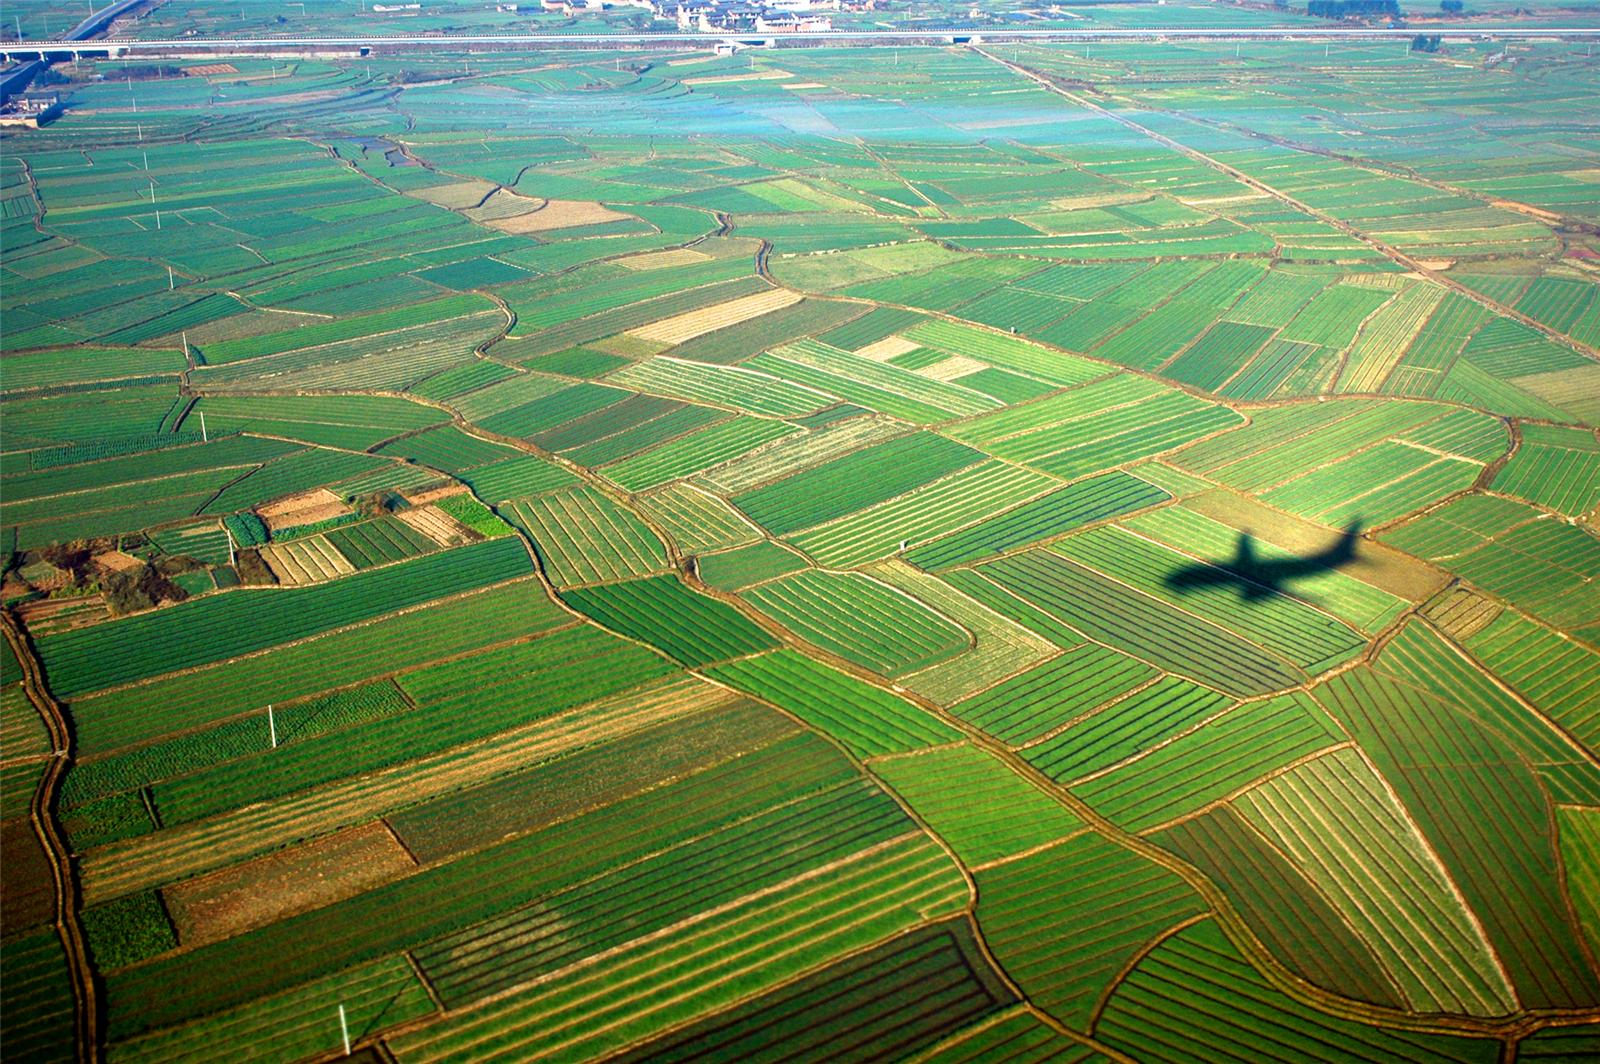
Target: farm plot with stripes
[{"x": 596, "y": 555}]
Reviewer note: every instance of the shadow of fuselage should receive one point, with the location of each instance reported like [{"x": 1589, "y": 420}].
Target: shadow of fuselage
[{"x": 1257, "y": 578}]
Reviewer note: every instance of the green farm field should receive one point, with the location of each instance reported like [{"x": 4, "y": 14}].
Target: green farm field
[{"x": 1078, "y": 550}]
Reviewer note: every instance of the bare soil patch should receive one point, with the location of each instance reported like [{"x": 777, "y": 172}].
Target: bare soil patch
[
  {"x": 557, "y": 214},
  {"x": 887, "y": 348},
  {"x": 655, "y": 260},
  {"x": 267, "y": 889},
  {"x": 305, "y": 508}
]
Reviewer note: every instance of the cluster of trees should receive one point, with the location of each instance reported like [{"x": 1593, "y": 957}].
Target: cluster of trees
[
  {"x": 1423, "y": 43},
  {"x": 154, "y": 72},
  {"x": 1349, "y": 8},
  {"x": 1367, "y": 8}
]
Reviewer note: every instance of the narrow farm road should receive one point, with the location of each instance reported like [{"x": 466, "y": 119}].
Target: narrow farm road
[
  {"x": 79, "y": 971},
  {"x": 1390, "y": 252}
]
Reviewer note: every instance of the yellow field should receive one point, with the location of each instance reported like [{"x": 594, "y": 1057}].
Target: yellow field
[
  {"x": 436, "y": 525},
  {"x": 887, "y": 348},
  {"x": 557, "y": 214},
  {"x": 681, "y": 327},
  {"x": 754, "y": 75},
  {"x": 456, "y": 196},
  {"x": 655, "y": 260}
]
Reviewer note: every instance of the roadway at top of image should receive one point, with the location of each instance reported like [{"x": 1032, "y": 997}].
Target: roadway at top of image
[{"x": 866, "y": 36}]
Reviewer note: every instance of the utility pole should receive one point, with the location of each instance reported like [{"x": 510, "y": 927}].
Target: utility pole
[
  {"x": 171, "y": 284},
  {"x": 344, "y": 1031},
  {"x": 205, "y": 437},
  {"x": 232, "y": 560},
  {"x": 272, "y": 734}
]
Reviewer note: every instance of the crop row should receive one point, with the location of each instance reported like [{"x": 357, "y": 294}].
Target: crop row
[
  {"x": 655, "y": 984},
  {"x": 734, "y": 570},
  {"x": 866, "y": 719},
  {"x": 1126, "y": 728},
  {"x": 1386, "y": 336},
  {"x": 242, "y": 736},
  {"x": 894, "y": 1000},
  {"x": 851, "y": 388},
  {"x": 854, "y": 482},
  {"x": 687, "y": 326},
  {"x": 299, "y": 1023},
  {"x": 1089, "y": 401},
  {"x": 581, "y": 295},
  {"x": 345, "y": 329},
  {"x": 516, "y": 477},
  {"x": 292, "y": 473},
  {"x": 1337, "y": 822},
  {"x": 1058, "y": 944},
  {"x": 185, "y": 850},
  {"x": 355, "y": 422},
  {"x": 53, "y": 511},
  {"x": 860, "y": 619},
  {"x": 553, "y": 673},
  {"x": 1194, "y": 998},
  {"x": 604, "y": 765},
  {"x": 1558, "y": 468},
  {"x": 921, "y": 514},
  {"x": 743, "y": 389},
  {"x": 1209, "y": 763},
  {"x": 629, "y": 903},
  {"x": 692, "y": 628},
  {"x": 975, "y": 803},
  {"x": 649, "y": 433},
  {"x": 1142, "y": 625},
  {"x": 1304, "y": 635},
  {"x": 458, "y": 893},
  {"x": 1285, "y": 911},
  {"x": 1038, "y": 701},
  {"x": 1267, "y": 371},
  {"x": 952, "y": 398},
  {"x": 1559, "y": 676},
  {"x": 613, "y": 318},
  {"x": 1000, "y": 646},
  {"x": 699, "y": 450},
  {"x": 1060, "y": 511},
  {"x": 1218, "y": 355},
  {"x": 447, "y": 448},
  {"x": 1280, "y": 449},
  {"x": 113, "y": 472},
  {"x": 583, "y": 537},
  {"x": 377, "y": 542},
  {"x": 390, "y": 362},
  {"x": 696, "y": 520},
  {"x": 218, "y": 627},
  {"x": 1361, "y": 605},
  {"x": 1483, "y": 812},
  {"x": 799, "y": 451}
]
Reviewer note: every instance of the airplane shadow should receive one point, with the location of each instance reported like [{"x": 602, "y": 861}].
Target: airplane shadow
[{"x": 1255, "y": 577}]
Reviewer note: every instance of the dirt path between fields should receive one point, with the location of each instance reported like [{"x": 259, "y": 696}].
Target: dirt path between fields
[{"x": 86, "y": 1013}]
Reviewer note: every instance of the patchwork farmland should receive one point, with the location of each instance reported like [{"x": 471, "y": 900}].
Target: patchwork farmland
[{"x": 1038, "y": 551}]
